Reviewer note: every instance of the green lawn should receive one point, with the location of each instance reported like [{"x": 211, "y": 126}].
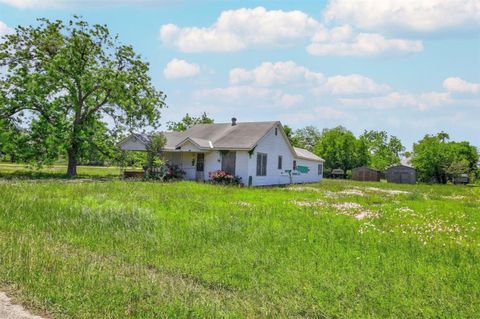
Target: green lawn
[
  {"x": 20, "y": 171},
  {"x": 122, "y": 249}
]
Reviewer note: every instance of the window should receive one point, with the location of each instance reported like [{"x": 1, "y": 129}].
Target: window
[
  {"x": 261, "y": 164},
  {"x": 279, "y": 161},
  {"x": 320, "y": 169},
  {"x": 294, "y": 165},
  {"x": 276, "y": 131}
]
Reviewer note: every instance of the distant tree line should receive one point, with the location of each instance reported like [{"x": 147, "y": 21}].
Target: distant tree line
[{"x": 435, "y": 158}]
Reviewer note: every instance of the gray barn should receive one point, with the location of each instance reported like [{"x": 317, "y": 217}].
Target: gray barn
[
  {"x": 402, "y": 174},
  {"x": 366, "y": 174}
]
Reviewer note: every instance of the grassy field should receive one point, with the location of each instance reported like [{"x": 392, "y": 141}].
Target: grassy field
[
  {"x": 19, "y": 171},
  {"x": 119, "y": 249}
]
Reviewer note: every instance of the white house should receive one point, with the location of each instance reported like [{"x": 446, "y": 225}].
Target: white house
[{"x": 258, "y": 152}]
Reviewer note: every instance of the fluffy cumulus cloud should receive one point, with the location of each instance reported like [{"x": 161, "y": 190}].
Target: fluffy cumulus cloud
[
  {"x": 278, "y": 74},
  {"x": 422, "y": 101},
  {"x": 409, "y": 15},
  {"x": 244, "y": 95},
  {"x": 351, "y": 84},
  {"x": 176, "y": 69},
  {"x": 268, "y": 74},
  {"x": 344, "y": 41},
  {"x": 459, "y": 85},
  {"x": 238, "y": 29}
]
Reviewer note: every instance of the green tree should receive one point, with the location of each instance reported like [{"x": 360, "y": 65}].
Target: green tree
[
  {"x": 288, "y": 132},
  {"x": 188, "y": 121},
  {"x": 70, "y": 77},
  {"x": 383, "y": 150},
  {"x": 341, "y": 149},
  {"x": 437, "y": 159},
  {"x": 155, "y": 150},
  {"x": 306, "y": 137}
]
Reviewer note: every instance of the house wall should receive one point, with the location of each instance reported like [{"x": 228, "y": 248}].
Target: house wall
[
  {"x": 212, "y": 163},
  {"x": 132, "y": 144},
  {"x": 275, "y": 145},
  {"x": 307, "y": 177}
]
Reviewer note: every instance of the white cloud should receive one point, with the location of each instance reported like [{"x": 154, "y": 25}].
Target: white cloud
[
  {"x": 344, "y": 42},
  {"x": 351, "y": 84},
  {"x": 238, "y": 29},
  {"x": 4, "y": 29},
  {"x": 176, "y": 69},
  {"x": 410, "y": 15},
  {"x": 456, "y": 84},
  {"x": 268, "y": 74},
  {"x": 320, "y": 113},
  {"x": 246, "y": 95},
  {"x": 235, "y": 30},
  {"x": 422, "y": 101}
]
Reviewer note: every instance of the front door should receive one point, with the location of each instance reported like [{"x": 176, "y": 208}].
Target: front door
[
  {"x": 200, "y": 166},
  {"x": 228, "y": 162}
]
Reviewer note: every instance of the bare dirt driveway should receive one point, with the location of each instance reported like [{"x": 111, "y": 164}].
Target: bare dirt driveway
[{"x": 10, "y": 311}]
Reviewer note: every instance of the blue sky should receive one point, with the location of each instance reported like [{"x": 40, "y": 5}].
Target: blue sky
[{"x": 409, "y": 67}]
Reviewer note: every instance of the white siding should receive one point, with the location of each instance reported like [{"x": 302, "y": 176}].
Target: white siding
[
  {"x": 189, "y": 147},
  {"x": 241, "y": 166},
  {"x": 274, "y": 146},
  {"x": 212, "y": 163},
  {"x": 190, "y": 170},
  {"x": 311, "y": 176},
  {"x": 132, "y": 144}
]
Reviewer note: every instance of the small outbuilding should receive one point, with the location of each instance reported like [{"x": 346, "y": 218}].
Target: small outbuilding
[
  {"x": 366, "y": 174},
  {"x": 337, "y": 173},
  {"x": 402, "y": 174},
  {"x": 462, "y": 179}
]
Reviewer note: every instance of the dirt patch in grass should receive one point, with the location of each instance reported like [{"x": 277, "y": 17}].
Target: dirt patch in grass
[{"x": 8, "y": 310}]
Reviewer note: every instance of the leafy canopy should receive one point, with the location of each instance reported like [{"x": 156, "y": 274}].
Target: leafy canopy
[
  {"x": 64, "y": 81},
  {"x": 383, "y": 151},
  {"x": 439, "y": 160},
  {"x": 341, "y": 149},
  {"x": 188, "y": 121}
]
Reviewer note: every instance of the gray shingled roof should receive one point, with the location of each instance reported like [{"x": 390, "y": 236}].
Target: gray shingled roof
[
  {"x": 303, "y": 153},
  {"x": 225, "y": 136}
]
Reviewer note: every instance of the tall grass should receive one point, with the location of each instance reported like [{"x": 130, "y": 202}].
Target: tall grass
[{"x": 150, "y": 250}]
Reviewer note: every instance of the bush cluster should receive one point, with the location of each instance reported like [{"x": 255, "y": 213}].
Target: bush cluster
[
  {"x": 222, "y": 177},
  {"x": 165, "y": 172}
]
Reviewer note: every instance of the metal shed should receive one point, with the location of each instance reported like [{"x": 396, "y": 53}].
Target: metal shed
[
  {"x": 337, "y": 173},
  {"x": 402, "y": 174},
  {"x": 366, "y": 174}
]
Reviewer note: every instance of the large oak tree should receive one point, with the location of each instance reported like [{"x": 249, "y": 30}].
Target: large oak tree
[{"x": 63, "y": 81}]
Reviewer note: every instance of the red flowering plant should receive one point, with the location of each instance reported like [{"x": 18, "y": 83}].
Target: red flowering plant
[{"x": 222, "y": 177}]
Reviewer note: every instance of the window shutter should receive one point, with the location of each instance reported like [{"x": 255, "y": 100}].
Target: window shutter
[
  {"x": 259, "y": 164},
  {"x": 264, "y": 164}
]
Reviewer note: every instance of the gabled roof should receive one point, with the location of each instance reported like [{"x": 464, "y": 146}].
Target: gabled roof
[
  {"x": 305, "y": 154},
  {"x": 225, "y": 136}
]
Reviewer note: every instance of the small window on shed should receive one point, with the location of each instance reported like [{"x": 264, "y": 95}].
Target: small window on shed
[
  {"x": 276, "y": 131},
  {"x": 294, "y": 164},
  {"x": 280, "y": 161},
  {"x": 320, "y": 169},
  {"x": 261, "y": 164}
]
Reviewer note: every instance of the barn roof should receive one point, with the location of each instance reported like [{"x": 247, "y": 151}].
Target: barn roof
[{"x": 225, "y": 136}]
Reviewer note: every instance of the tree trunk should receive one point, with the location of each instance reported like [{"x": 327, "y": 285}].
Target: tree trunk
[{"x": 72, "y": 162}]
